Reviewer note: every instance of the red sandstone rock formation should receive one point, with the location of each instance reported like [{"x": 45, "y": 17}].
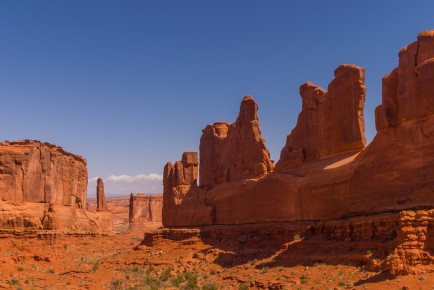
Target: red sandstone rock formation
[
  {"x": 330, "y": 122},
  {"x": 100, "y": 197},
  {"x": 49, "y": 221},
  {"x": 34, "y": 174},
  {"x": 398, "y": 165},
  {"x": 415, "y": 238},
  {"x": 320, "y": 177},
  {"x": 145, "y": 211},
  {"x": 182, "y": 200},
  {"x": 234, "y": 151},
  {"x": 41, "y": 172}
]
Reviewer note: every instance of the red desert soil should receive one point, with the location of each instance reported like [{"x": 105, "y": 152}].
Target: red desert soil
[{"x": 120, "y": 261}]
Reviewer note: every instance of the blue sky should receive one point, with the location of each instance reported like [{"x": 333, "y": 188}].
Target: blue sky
[{"x": 130, "y": 84}]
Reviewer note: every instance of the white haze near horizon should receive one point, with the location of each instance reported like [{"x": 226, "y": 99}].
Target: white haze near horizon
[{"x": 115, "y": 185}]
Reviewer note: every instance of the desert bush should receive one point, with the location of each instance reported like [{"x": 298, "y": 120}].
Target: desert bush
[
  {"x": 178, "y": 280},
  {"x": 166, "y": 274},
  {"x": 243, "y": 286},
  {"x": 210, "y": 286}
]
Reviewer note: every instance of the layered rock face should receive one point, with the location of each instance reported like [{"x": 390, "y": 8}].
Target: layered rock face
[
  {"x": 50, "y": 221},
  {"x": 398, "y": 165},
  {"x": 101, "y": 204},
  {"x": 44, "y": 187},
  {"x": 330, "y": 122},
  {"x": 415, "y": 238},
  {"x": 324, "y": 172},
  {"x": 234, "y": 151},
  {"x": 36, "y": 171},
  {"x": 145, "y": 210}
]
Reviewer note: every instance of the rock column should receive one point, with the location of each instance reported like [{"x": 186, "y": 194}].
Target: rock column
[{"x": 100, "y": 197}]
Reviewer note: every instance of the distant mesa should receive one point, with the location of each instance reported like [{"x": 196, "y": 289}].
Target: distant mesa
[{"x": 145, "y": 211}]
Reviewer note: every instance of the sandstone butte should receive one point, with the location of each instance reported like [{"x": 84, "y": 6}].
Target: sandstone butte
[
  {"x": 145, "y": 211},
  {"x": 44, "y": 187},
  {"x": 324, "y": 171}
]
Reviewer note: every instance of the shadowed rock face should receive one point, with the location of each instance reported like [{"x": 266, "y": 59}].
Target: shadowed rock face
[
  {"x": 41, "y": 172},
  {"x": 330, "y": 122},
  {"x": 324, "y": 172},
  {"x": 183, "y": 203},
  {"x": 234, "y": 151},
  {"x": 100, "y": 197}
]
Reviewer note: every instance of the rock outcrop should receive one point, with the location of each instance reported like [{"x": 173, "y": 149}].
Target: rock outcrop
[
  {"x": 145, "y": 210},
  {"x": 330, "y": 122},
  {"x": 415, "y": 238},
  {"x": 33, "y": 171},
  {"x": 398, "y": 166},
  {"x": 49, "y": 221},
  {"x": 100, "y": 196},
  {"x": 183, "y": 202},
  {"x": 234, "y": 151},
  {"x": 324, "y": 172},
  {"x": 35, "y": 178}
]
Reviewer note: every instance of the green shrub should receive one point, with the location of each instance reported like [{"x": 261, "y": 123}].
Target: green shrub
[
  {"x": 150, "y": 269},
  {"x": 210, "y": 286},
  {"x": 243, "y": 286},
  {"x": 178, "y": 280},
  {"x": 191, "y": 280},
  {"x": 254, "y": 261},
  {"x": 166, "y": 274},
  {"x": 153, "y": 281},
  {"x": 95, "y": 267},
  {"x": 20, "y": 269},
  {"x": 14, "y": 282}
]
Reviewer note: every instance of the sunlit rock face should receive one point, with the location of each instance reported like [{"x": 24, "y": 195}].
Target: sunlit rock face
[
  {"x": 330, "y": 122},
  {"x": 325, "y": 171},
  {"x": 44, "y": 187},
  {"x": 41, "y": 172}
]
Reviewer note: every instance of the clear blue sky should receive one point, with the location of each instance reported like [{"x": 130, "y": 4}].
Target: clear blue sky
[{"x": 130, "y": 84}]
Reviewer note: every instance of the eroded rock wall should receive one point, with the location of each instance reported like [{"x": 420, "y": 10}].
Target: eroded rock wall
[
  {"x": 398, "y": 166},
  {"x": 44, "y": 187},
  {"x": 415, "y": 239},
  {"x": 36, "y": 171},
  {"x": 330, "y": 122},
  {"x": 183, "y": 201},
  {"x": 145, "y": 209},
  {"x": 324, "y": 172},
  {"x": 234, "y": 151}
]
